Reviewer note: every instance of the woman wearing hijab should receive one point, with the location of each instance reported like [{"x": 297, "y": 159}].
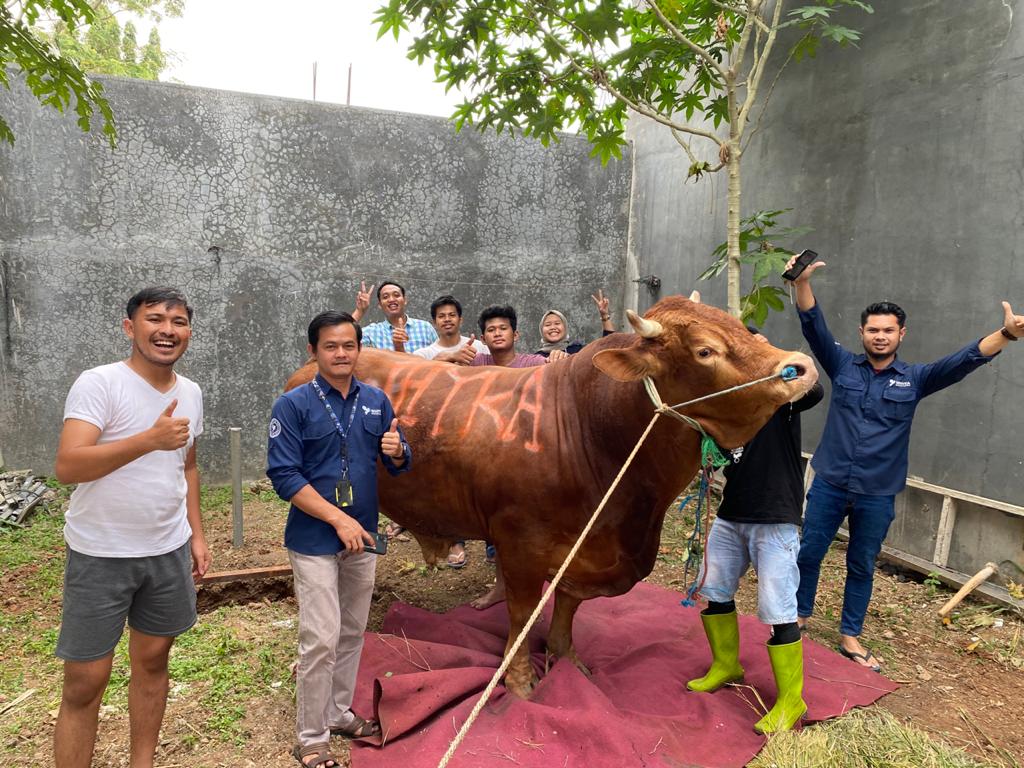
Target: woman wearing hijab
[{"x": 554, "y": 328}]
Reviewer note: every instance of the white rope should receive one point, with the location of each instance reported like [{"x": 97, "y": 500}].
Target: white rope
[
  {"x": 659, "y": 408},
  {"x": 543, "y": 601}
]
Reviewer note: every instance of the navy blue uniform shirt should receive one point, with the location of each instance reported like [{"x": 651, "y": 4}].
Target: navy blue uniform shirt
[
  {"x": 866, "y": 440},
  {"x": 304, "y": 447}
]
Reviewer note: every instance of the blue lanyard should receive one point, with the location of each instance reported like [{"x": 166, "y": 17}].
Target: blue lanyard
[{"x": 337, "y": 424}]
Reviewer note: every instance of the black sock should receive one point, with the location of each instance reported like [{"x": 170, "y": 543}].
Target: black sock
[
  {"x": 784, "y": 634},
  {"x": 716, "y": 608}
]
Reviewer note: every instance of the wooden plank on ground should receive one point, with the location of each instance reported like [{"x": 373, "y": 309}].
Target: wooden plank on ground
[
  {"x": 992, "y": 592},
  {"x": 247, "y": 574}
]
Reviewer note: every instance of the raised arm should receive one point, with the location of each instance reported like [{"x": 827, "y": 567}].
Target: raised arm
[
  {"x": 804, "y": 295},
  {"x": 362, "y": 301},
  {"x": 603, "y": 309},
  {"x": 81, "y": 460},
  {"x": 1012, "y": 330}
]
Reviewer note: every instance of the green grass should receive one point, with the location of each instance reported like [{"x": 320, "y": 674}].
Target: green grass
[
  {"x": 223, "y": 662},
  {"x": 865, "y": 738}
]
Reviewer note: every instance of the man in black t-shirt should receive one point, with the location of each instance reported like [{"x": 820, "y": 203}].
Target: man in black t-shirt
[{"x": 758, "y": 524}]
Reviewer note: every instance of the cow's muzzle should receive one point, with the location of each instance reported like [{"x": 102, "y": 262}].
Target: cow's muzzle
[{"x": 806, "y": 374}]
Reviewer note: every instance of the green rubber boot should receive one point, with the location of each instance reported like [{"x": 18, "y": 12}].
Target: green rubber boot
[
  {"x": 788, "y": 667},
  {"x": 723, "y": 631}
]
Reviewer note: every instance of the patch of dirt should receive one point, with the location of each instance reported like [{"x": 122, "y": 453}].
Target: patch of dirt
[
  {"x": 963, "y": 684},
  {"x": 970, "y": 698}
]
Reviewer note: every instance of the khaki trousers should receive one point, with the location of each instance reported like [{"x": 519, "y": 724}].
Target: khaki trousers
[{"x": 334, "y": 594}]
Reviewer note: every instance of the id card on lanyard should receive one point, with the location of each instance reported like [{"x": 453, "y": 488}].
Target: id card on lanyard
[{"x": 343, "y": 490}]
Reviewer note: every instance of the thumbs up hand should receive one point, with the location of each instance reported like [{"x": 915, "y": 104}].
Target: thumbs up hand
[
  {"x": 466, "y": 353},
  {"x": 1014, "y": 324},
  {"x": 391, "y": 442},
  {"x": 399, "y": 336},
  {"x": 169, "y": 433}
]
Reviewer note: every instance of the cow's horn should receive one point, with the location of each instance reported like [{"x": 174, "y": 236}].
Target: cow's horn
[
  {"x": 695, "y": 297},
  {"x": 649, "y": 329}
]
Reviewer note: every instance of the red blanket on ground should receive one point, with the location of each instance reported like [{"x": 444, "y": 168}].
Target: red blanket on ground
[{"x": 423, "y": 674}]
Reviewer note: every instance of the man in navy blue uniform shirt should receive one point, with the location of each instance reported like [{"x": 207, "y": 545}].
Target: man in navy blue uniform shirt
[
  {"x": 861, "y": 462},
  {"x": 325, "y": 438}
]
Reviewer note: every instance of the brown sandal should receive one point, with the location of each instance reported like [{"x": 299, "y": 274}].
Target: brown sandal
[
  {"x": 357, "y": 729},
  {"x": 321, "y": 756}
]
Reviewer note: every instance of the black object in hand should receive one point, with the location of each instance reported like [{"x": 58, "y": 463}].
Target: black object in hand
[{"x": 805, "y": 259}]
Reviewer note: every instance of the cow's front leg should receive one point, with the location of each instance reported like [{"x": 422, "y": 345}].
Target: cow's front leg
[
  {"x": 560, "y": 635},
  {"x": 523, "y": 594}
]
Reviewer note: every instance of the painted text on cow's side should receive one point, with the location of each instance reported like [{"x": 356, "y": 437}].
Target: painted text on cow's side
[{"x": 468, "y": 396}]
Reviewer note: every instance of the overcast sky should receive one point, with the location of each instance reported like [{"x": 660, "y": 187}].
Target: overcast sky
[{"x": 259, "y": 46}]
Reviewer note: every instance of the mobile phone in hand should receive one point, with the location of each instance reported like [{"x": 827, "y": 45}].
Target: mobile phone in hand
[
  {"x": 380, "y": 544},
  {"x": 805, "y": 259}
]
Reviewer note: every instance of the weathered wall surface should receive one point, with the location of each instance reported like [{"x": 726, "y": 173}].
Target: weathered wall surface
[
  {"x": 266, "y": 211},
  {"x": 905, "y": 155}
]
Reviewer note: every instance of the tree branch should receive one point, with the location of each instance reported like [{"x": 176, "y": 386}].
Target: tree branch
[
  {"x": 757, "y": 69},
  {"x": 689, "y": 152},
  {"x": 600, "y": 77},
  {"x": 682, "y": 38}
]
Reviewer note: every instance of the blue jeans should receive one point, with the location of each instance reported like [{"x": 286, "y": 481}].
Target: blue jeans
[
  {"x": 870, "y": 518},
  {"x": 771, "y": 548}
]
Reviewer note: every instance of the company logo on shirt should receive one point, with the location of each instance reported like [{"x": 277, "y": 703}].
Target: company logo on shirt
[
  {"x": 367, "y": 411},
  {"x": 894, "y": 383},
  {"x": 275, "y": 428}
]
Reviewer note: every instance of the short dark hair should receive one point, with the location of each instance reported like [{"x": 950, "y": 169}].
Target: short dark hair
[
  {"x": 884, "y": 308},
  {"x": 388, "y": 282},
  {"x": 496, "y": 310},
  {"x": 444, "y": 301},
  {"x": 329, "y": 319},
  {"x": 158, "y": 294}
]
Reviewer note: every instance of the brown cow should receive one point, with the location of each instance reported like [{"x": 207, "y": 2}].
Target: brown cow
[{"x": 522, "y": 457}]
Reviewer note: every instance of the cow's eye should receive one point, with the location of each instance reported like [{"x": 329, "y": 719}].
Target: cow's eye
[{"x": 705, "y": 352}]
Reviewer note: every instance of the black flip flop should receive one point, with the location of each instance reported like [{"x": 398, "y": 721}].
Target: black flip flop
[{"x": 865, "y": 657}]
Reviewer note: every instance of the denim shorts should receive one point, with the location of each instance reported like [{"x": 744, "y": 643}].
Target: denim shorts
[
  {"x": 771, "y": 548},
  {"x": 155, "y": 594}
]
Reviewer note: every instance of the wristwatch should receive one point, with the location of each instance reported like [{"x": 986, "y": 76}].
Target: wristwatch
[{"x": 1009, "y": 335}]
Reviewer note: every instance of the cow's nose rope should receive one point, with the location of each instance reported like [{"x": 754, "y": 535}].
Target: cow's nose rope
[{"x": 710, "y": 454}]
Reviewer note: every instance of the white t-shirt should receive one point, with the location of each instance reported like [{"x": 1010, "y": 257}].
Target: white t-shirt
[
  {"x": 435, "y": 349},
  {"x": 137, "y": 510}
]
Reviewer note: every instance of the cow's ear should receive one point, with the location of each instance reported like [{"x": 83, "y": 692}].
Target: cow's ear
[{"x": 630, "y": 364}]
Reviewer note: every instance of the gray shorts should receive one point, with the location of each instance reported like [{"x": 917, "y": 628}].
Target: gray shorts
[{"x": 156, "y": 594}]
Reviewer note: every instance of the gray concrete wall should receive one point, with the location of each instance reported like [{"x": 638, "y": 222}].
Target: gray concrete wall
[
  {"x": 266, "y": 211},
  {"x": 905, "y": 155}
]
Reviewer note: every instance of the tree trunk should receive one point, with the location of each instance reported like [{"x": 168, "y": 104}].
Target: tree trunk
[{"x": 733, "y": 230}]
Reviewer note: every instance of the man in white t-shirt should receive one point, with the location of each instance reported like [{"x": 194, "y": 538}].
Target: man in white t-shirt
[
  {"x": 451, "y": 346},
  {"x": 133, "y": 531}
]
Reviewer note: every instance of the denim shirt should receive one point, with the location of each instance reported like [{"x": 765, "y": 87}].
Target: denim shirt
[
  {"x": 865, "y": 444},
  {"x": 304, "y": 447}
]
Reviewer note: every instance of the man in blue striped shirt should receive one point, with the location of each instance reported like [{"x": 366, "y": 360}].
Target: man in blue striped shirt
[
  {"x": 861, "y": 462},
  {"x": 398, "y": 331}
]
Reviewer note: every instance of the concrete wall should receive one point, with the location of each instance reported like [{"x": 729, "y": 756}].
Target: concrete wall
[
  {"x": 905, "y": 155},
  {"x": 266, "y": 211}
]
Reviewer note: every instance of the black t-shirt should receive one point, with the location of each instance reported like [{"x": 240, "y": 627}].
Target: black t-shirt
[{"x": 766, "y": 485}]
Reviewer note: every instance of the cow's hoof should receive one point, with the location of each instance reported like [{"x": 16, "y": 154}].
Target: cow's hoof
[
  {"x": 521, "y": 688},
  {"x": 571, "y": 656},
  {"x": 580, "y": 665}
]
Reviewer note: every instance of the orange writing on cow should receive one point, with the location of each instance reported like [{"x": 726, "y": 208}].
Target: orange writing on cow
[{"x": 415, "y": 391}]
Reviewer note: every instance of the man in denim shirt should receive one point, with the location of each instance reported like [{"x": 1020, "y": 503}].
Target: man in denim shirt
[
  {"x": 861, "y": 462},
  {"x": 325, "y": 438}
]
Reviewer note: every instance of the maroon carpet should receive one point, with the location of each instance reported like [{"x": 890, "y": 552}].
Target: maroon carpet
[{"x": 422, "y": 678}]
